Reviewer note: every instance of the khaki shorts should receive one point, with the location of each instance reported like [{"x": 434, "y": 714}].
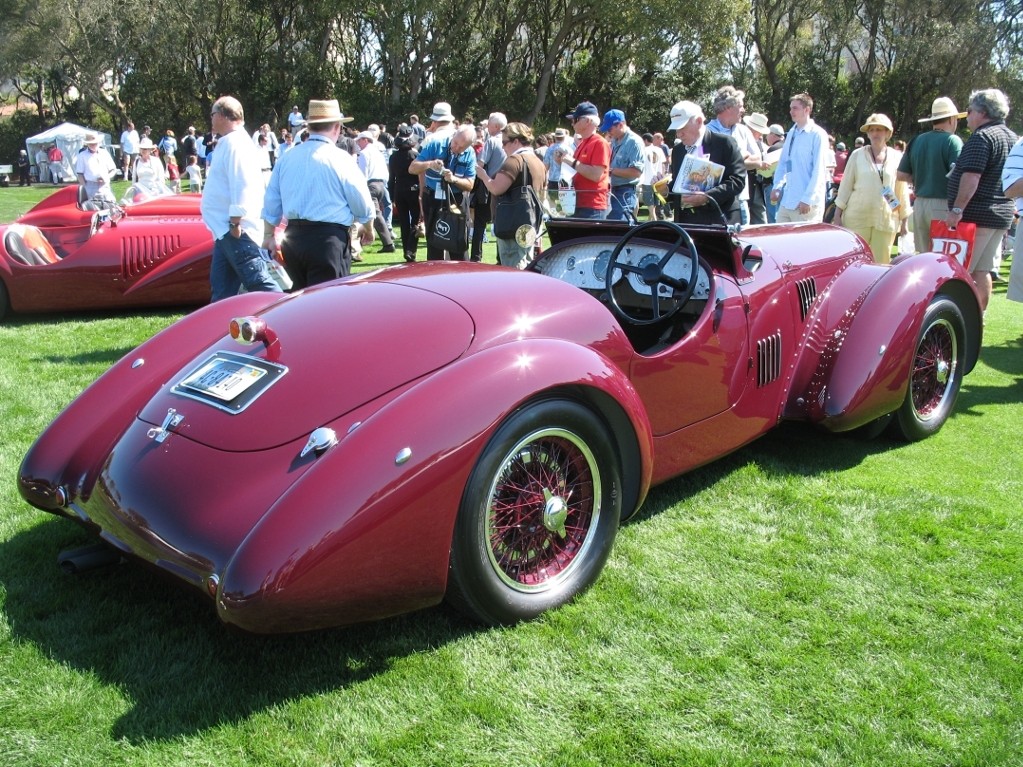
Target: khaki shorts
[{"x": 987, "y": 245}]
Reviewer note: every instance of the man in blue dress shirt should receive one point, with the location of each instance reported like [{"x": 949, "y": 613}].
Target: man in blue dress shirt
[{"x": 320, "y": 190}]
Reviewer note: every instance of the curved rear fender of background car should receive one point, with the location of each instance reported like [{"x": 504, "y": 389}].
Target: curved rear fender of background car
[
  {"x": 191, "y": 257},
  {"x": 71, "y": 451},
  {"x": 363, "y": 535},
  {"x": 873, "y": 354}
]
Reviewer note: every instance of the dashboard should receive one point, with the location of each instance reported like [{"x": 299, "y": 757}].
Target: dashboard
[{"x": 584, "y": 265}]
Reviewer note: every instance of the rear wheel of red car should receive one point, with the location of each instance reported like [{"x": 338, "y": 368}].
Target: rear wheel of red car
[
  {"x": 539, "y": 515},
  {"x": 936, "y": 374}
]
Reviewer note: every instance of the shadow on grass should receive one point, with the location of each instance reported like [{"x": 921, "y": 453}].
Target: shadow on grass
[
  {"x": 184, "y": 672},
  {"x": 181, "y": 669}
]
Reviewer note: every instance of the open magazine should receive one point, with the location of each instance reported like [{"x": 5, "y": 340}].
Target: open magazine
[{"x": 697, "y": 174}]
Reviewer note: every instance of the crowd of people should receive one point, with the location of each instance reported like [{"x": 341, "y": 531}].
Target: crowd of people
[{"x": 335, "y": 193}]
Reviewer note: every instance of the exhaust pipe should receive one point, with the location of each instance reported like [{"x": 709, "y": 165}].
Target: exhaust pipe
[{"x": 91, "y": 557}]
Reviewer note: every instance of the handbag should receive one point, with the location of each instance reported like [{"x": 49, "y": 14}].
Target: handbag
[
  {"x": 450, "y": 229},
  {"x": 957, "y": 243},
  {"x": 517, "y": 208}
]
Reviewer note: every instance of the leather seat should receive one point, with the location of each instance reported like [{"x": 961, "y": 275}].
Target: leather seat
[{"x": 29, "y": 245}]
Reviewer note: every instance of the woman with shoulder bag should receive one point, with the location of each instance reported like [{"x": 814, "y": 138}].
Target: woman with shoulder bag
[{"x": 518, "y": 187}]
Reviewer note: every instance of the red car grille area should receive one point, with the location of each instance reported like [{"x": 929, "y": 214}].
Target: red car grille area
[{"x": 139, "y": 254}]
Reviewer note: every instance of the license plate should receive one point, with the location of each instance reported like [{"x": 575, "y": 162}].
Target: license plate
[{"x": 224, "y": 379}]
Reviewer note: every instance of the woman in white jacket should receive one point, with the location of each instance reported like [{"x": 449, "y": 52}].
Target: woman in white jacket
[
  {"x": 148, "y": 174},
  {"x": 871, "y": 201}
]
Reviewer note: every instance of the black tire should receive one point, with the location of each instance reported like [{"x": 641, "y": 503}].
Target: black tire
[
  {"x": 5, "y": 301},
  {"x": 936, "y": 374},
  {"x": 538, "y": 516}
]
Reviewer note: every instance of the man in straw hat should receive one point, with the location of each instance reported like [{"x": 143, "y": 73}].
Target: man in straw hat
[
  {"x": 925, "y": 165},
  {"x": 759, "y": 127},
  {"x": 95, "y": 168},
  {"x": 319, "y": 188},
  {"x": 231, "y": 204}
]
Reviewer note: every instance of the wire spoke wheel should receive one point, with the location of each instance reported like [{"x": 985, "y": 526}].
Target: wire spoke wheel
[
  {"x": 542, "y": 509},
  {"x": 538, "y": 516}
]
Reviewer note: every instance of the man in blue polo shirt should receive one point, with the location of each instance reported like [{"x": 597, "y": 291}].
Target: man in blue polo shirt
[
  {"x": 626, "y": 165},
  {"x": 450, "y": 159}
]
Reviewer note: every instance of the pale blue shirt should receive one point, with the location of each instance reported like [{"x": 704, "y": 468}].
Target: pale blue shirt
[
  {"x": 802, "y": 168},
  {"x": 317, "y": 181},
  {"x": 626, "y": 152},
  {"x": 234, "y": 186}
]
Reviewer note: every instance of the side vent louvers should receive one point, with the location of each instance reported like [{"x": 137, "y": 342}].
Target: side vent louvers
[
  {"x": 140, "y": 253},
  {"x": 807, "y": 290},
  {"x": 768, "y": 359}
]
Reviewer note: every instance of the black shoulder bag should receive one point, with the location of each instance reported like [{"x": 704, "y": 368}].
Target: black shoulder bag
[{"x": 518, "y": 207}]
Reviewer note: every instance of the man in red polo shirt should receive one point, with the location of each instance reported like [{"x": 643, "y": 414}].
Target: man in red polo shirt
[{"x": 591, "y": 160}]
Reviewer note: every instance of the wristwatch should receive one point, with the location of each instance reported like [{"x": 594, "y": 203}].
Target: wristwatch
[
  {"x": 575, "y": 162},
  {"x": 957, "y": 211}
]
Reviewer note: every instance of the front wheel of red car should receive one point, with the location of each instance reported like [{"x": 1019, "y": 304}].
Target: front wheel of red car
[
  {"x": 538, "y": 517},
  {"x": 937, "y": 372},
  {"x": 4, "y": 300}
]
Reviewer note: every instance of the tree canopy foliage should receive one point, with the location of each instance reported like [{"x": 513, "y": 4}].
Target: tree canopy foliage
[{"x": 103, "y": 61}]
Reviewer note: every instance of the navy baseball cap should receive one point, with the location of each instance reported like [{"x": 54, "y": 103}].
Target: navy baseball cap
[{"x": 584, "y": 108}]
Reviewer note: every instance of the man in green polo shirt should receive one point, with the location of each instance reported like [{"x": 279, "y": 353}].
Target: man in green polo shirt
[{"x": 926, "y": 164}]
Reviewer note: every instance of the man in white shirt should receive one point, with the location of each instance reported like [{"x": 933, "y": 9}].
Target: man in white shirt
[
  {"x": 373, "y": 165},
  {"x": 94, "y": 168},
  {"x": 129, "y": 147},
  {"x": 232, "y": 204}
]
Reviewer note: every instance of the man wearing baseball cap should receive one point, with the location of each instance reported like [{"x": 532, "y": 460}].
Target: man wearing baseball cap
[
  {"x": 925, "y": 165},
  {"x": 626, "y": 165},
  {"x": 591, "y": 160}
]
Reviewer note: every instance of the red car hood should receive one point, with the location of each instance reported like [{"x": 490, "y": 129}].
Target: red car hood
[{"x": 372, "y": 338}]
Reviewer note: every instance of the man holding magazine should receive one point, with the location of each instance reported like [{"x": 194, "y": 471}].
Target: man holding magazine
[{"x": 707, "y": 170}]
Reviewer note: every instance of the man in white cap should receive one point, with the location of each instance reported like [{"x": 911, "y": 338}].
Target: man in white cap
[
  {"x": 719, "y": 203},
  {"x": 231, "y": 204},
  {"x": 926, "y": 164},
  {"x": 94, "y": 169},
  {"x": 318, "y": 187}
]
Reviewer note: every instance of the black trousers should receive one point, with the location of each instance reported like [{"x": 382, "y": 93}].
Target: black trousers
[
  {"x": 316, "y": 252},
  {"x": 406, "y": 210}
]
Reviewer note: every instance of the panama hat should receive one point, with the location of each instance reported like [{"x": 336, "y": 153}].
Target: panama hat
[
  {"x": 145, "y": 144},
  {"x": 942, "y": 109},
  {"x": 757, "y": 122},
  {"x": 91, "y": 138},
  {"x": 877, "y": 120},
  {"x": 326, "y": 111}
]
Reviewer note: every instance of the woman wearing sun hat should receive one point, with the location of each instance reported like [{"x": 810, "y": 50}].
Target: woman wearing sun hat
[{"x": 871, "y": 200}]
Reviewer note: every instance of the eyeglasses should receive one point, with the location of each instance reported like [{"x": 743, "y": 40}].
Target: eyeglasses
[{"x": 507, "y": 141}]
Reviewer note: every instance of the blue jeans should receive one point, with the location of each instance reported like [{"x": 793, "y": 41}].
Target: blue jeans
[
  {"x": 236, "y": 262},
  {"x": 590, "y": 213},
  {"x": 623, "y": 203},
  {"x": 772, "y": 207}
]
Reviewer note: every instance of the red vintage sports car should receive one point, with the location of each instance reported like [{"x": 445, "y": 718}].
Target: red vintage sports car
[
  {"x": 448, "y": 430},
  {"x": 61, "y": 256}
]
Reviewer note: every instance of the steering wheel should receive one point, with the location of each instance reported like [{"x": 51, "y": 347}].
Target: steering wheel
[{"x": 653, "y": 274}]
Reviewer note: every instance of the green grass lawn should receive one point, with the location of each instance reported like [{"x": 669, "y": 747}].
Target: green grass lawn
[{"x": 808, "y": 600}]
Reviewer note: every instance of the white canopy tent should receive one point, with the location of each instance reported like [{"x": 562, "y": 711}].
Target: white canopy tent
[{"x": 69, "y": 138}]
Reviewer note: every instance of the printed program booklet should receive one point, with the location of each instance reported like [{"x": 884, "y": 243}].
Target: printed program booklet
[{"x": 697, "y": 174}]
